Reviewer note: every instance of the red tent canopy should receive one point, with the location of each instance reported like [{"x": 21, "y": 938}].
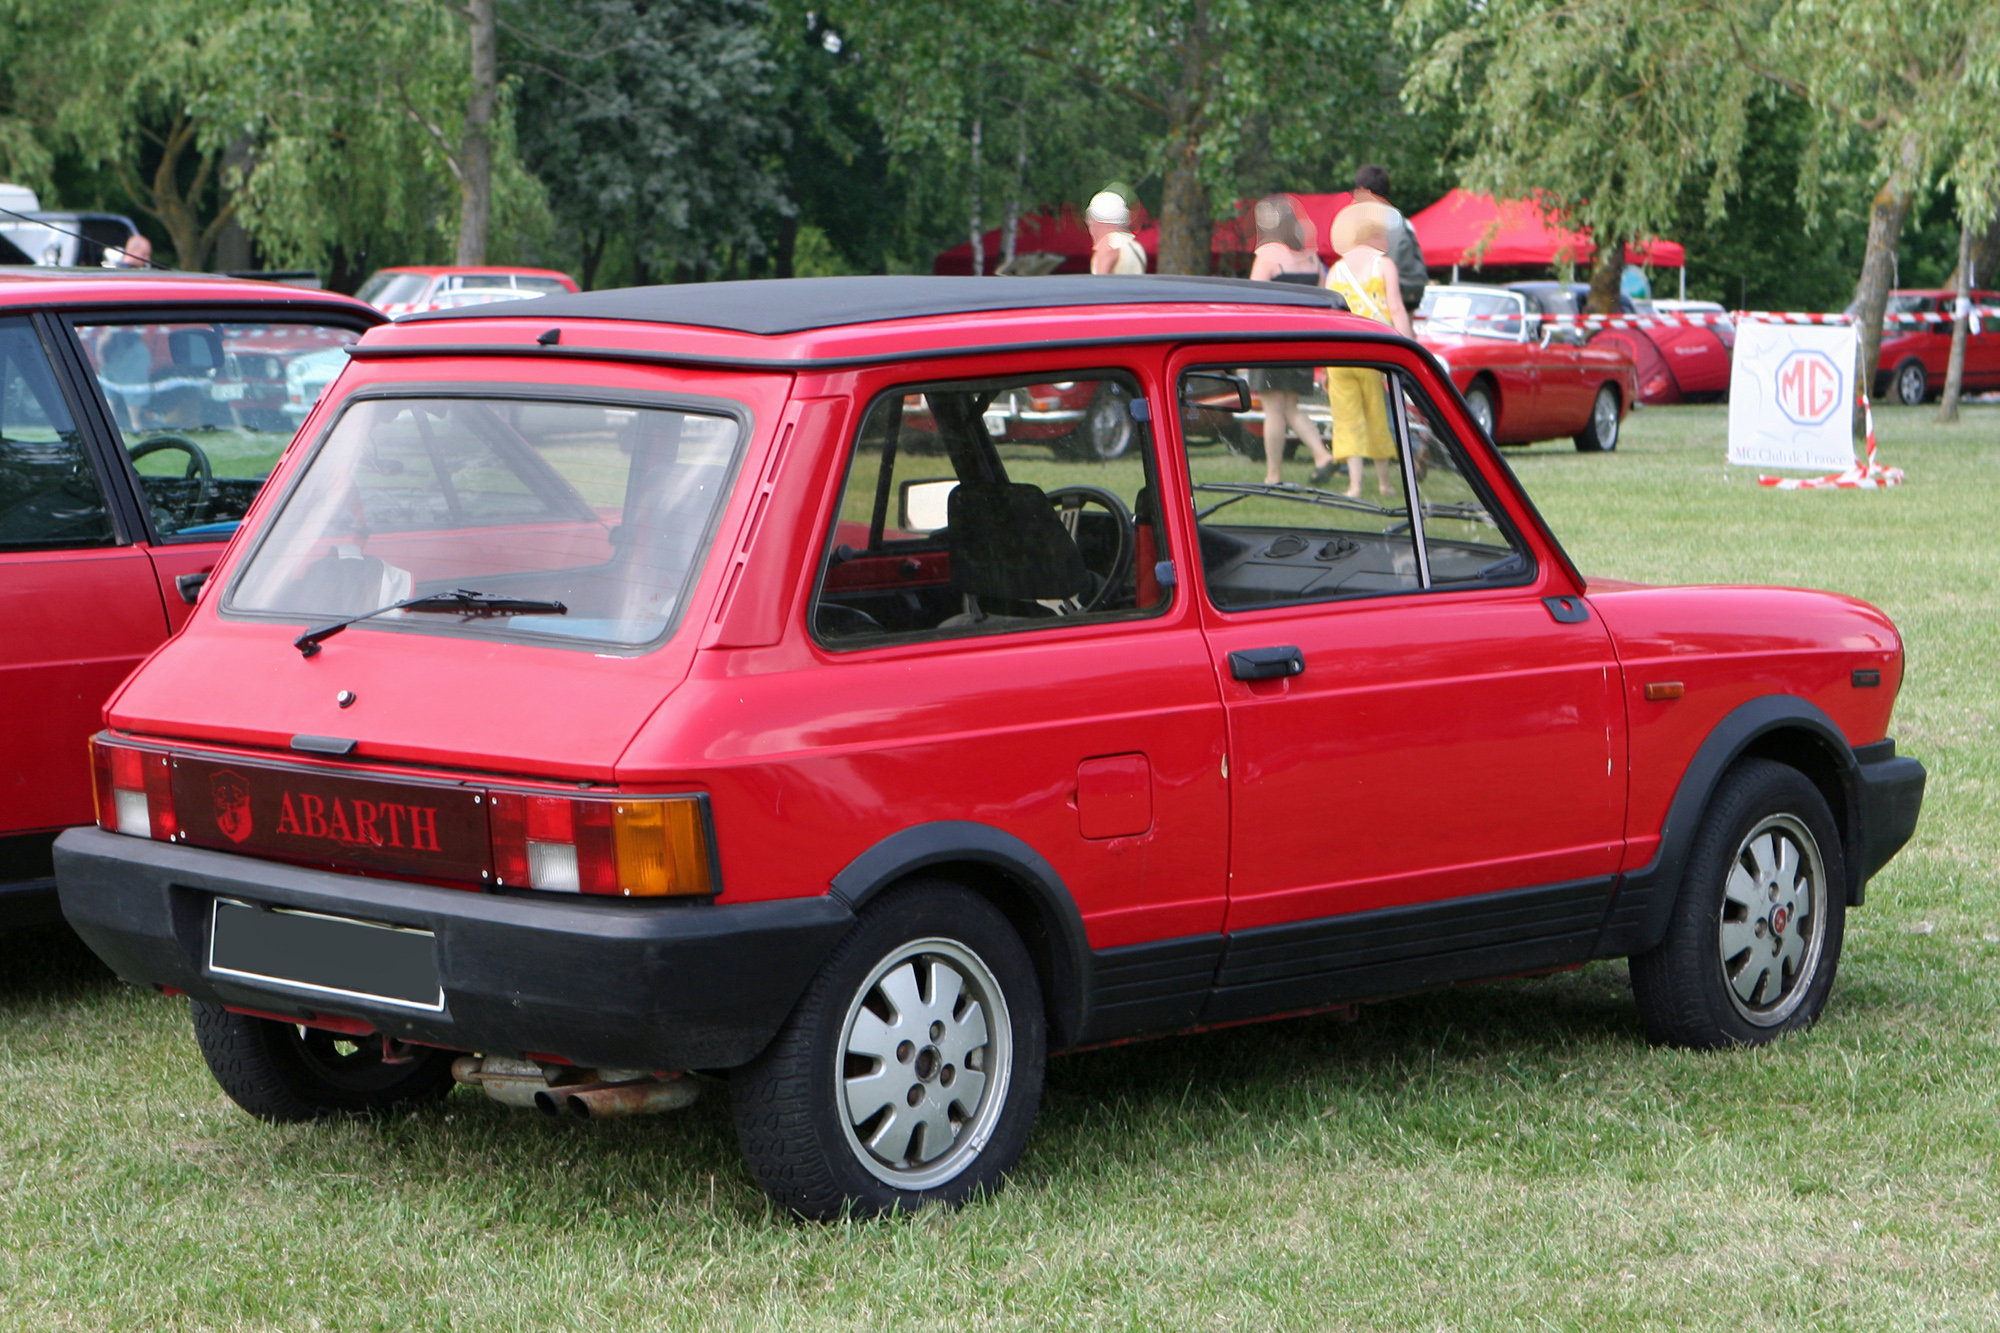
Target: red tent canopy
[
  {"x": 1515, "y": 232},
  {"x": 1063, "y": 233}
]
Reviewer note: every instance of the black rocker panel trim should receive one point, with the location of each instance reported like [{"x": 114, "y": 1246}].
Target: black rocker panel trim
[
  {"x": 1399, "y": 950},
  {"x": 962, "y": 841},
  {"x": 1151, "y": 987}
]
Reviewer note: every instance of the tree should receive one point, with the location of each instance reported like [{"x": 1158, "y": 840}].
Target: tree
[
  {"x": 474, "y": 160},
  {"x": 1912, "y": 78},
  {"x": 652, "y": 125},
  {"x": 1604, "y": 110}
]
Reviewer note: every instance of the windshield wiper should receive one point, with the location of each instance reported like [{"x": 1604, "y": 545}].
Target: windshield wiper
[
  {"x": 1285, "y": 491},
  {"x": 464, "y": 601}
]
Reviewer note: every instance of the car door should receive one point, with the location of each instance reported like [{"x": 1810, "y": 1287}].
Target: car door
[
  {"x": 1982, "y": 349},
  {"x": 1562, "y": 391},
  {"x": 1426, "y": 739},
  {"x": 77, "y": 594},
  {"x": 992, "y": 608}
]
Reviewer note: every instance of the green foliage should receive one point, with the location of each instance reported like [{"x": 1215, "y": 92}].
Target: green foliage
[
  {"x": 1607, "y": 109},
  {"x": 652, "y": 120}
]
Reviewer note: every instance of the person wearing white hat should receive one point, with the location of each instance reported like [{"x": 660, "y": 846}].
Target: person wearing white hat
[{"x": 1113, "y": 248}]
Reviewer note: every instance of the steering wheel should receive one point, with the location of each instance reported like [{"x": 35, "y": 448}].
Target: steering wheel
[
  {"x": 1069, "y": 502},
  {"x": 198, "y": 468}
]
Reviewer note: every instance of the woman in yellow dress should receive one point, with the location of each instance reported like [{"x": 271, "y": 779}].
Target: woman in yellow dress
[{"x": 1366, "y": 276}]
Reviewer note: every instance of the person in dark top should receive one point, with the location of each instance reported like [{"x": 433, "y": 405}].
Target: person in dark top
[
  {"x": 1371, "y": 186},
  {"x": 1285, "y": 253}
]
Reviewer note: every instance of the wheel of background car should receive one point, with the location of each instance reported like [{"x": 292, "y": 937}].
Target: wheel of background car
[
  {"x": 1479, "y": 402},
  {"x": 198, "y": 468},
  {"x": 1069, "y": 502},
  {"x": 1754, "y": 940},
  {"x": 909, "y": 1072},
  {"x": 281, "y": 1072},
  {"x": 1601, "y": 435},
  {"x": 1913, "y": 384},
  {"x": 1240, "y": 441},
  {"x": 1107, "y": 428}
]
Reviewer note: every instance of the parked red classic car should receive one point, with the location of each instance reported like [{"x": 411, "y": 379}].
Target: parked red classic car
[
  {"x": 1916, "y": 356},
  {"x": 1674, "y": 362},
  {"x": 614, "y": 694},
  {"x": 139, "y": 415},
  {"x": 1524, "y": 378},
  {"x": 416, "y": 288}
]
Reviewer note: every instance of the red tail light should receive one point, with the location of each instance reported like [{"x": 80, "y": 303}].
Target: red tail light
[
  {"x": 628, "y": 847},
  {"x": 134, "y": 791}
]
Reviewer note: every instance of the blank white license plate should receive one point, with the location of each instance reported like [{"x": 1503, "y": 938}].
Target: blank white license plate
[{"x": 329, "y": 955}]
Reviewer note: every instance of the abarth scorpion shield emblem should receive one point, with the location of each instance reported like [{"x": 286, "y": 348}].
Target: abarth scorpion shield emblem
[{"x": 232, "y": 804}]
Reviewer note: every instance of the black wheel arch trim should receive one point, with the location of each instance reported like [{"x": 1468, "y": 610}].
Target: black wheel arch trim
[
  {"x": 948, "y": 842},
  {"x": 1875, "y": 804}
]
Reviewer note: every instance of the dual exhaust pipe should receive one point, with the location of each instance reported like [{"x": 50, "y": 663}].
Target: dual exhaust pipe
[{"x": 586, "y": 1094}]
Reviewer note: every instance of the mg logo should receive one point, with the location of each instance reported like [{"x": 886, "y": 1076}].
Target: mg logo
[{"x": 1808, "y": 387}]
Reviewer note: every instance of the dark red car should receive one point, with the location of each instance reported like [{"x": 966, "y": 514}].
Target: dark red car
[
  {"x": 614, "y": 695},
  {"x": 1915, "y": 356},
  {"x": 139, "y": 415},
  {"x": 1525, "y": 377}
]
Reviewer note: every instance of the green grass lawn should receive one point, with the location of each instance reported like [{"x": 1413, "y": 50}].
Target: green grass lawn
[{"x": 1500, "y": 1156}]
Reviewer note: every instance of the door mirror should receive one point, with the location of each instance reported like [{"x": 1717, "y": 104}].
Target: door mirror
[
  {"x": 1198, "y": 387},
  {"x": 923, "y": 505}
]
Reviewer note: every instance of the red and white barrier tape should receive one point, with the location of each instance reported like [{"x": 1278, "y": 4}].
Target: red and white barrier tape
[
  {"x": 1863, "y": 476},
  {"x": 1683, "y": 318}
]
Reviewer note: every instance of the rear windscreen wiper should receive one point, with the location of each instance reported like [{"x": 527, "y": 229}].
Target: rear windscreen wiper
[{"x": 464, "y": 601}]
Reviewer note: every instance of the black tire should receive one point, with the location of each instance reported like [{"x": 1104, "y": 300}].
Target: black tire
[
  {"x": 792, "y": 1106},
  {"x": 279, "y": 1072},
  {"x": 1688, "y": 993},
  {"x": 1600, "y": 434},
  {"x": 1911, "y": 384},
  {"x": 1479, "y": 402}
]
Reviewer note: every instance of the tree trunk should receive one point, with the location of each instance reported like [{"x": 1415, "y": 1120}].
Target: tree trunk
[
  {"x": 593, "y": 255},
  {"x": 1607, "y": 272},
  {"x": 1954, "y": 375},
  {"x": 233, "y": 252},
  {"x": 1985, "y": 256},
  {"x": 475, "y": 154},
  {"x": 787, "y": 246},
  {"x": 978, "y": 229},
  {"x": 1010, "y": 223},
  {"x": 1878, "y": 268},
  {"x": 1185, "y": 224}
]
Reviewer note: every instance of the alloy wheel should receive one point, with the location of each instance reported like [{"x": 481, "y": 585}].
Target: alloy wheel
[
  {"x": 927, "y": 1052},
  {"x": 1773, "y": 919}
]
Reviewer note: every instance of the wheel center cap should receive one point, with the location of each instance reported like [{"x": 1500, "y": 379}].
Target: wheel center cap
[
  {"x": 1778, "y": 920},
  {"x": 929, "y": 1061}
]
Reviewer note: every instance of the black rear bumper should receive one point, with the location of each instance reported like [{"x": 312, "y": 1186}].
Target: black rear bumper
[{"x": 621, "y": 984}]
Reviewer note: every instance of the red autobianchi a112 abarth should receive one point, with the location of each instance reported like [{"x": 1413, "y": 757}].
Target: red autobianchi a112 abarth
[{"x": 625, "y": 686}]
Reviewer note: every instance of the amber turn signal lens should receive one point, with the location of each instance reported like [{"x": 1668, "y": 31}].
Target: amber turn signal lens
[{"x": 662, "y": 848}]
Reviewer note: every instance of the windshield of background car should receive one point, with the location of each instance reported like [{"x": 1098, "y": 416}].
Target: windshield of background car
[
  {"x": 204, "y": 408},
  {"x": 1480, "y": 314},
  {"x": 605, "y": 509},
  {"x": 392, "y": 288}
]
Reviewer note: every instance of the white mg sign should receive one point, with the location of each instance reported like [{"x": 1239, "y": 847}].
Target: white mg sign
[{"x": 1790, "y": 390}]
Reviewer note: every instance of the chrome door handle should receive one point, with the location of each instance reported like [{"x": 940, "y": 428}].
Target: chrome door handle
[{"x": 1266, "y": 663}]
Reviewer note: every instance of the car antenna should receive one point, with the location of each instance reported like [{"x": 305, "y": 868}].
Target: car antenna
[{"x": 64, "y": 231}]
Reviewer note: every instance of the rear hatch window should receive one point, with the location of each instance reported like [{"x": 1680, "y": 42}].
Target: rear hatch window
[{"x": 594, "y": 517}]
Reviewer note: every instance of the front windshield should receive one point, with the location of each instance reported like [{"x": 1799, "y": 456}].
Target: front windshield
[
  {"x": 1480, "y": 314},
  {"x": 204, "y": 408},
  {"x": 604, "y": 509}
]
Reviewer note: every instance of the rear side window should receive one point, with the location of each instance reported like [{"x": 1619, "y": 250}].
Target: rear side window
[
  {"x": 601, "y": 511},
  {"x": 49, "y": 492},
  {"x": 995, "y": 506}
]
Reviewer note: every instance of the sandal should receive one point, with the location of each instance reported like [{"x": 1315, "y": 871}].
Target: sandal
[{"x": 1324, "y": 471}]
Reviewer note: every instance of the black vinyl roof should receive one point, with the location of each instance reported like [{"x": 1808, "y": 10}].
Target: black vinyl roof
[{"x": 793, "y": 305}]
